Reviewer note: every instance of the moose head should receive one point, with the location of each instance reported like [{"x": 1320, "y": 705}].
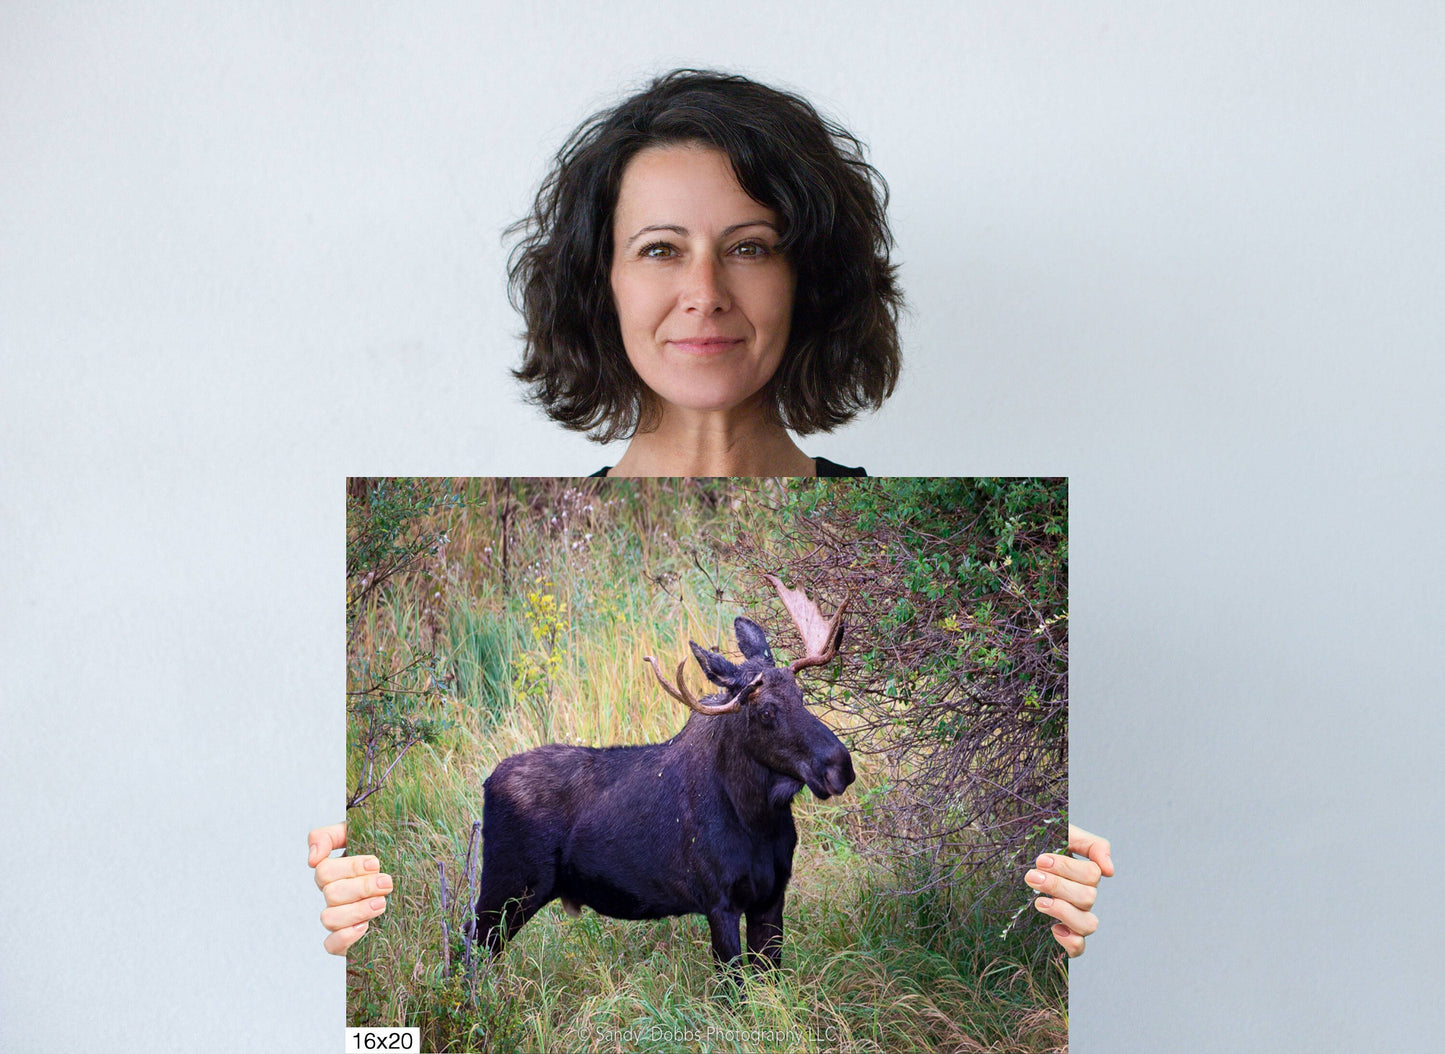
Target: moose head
[{"x": 778, "y": 731}]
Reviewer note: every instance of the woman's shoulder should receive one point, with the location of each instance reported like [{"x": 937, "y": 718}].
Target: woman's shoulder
[
  {"x": 824, "y": 467},
  {"x": 821, "y": 466}
]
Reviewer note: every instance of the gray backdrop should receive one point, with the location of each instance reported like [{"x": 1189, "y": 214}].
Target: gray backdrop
[{"x": 1191, "y": 258}]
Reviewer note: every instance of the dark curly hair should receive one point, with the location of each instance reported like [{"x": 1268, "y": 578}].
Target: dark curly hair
[{"x": 842, "y": 354}]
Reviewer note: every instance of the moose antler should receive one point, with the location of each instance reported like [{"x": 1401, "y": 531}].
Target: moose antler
[
  {"x": 820, "y": 637},
  {"x": 687, "y": 699}
]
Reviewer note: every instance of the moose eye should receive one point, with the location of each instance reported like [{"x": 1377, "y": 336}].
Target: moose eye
[{"x": 767, "y": 716}]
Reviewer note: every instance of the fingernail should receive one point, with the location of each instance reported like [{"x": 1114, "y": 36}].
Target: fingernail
[
  {"x": 377, "y": 903},
  {"x": 1046, "y": 861},
  {"x": 1044, "y": 902},
  {"x": 1034, "y": 878},
  {"x": 361, "y": 927},
  {"x": 371, "y": 864},
  {"x": 383, "y": 883}
]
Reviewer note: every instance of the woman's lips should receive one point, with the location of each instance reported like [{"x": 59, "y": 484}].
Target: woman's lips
[{"x": 705, "y": 345}]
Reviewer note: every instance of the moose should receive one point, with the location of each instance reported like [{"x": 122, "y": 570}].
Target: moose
[{"x": 701, "y": 824}]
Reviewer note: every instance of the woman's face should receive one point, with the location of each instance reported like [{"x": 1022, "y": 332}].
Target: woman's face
[{"x": 703, "y": 296}]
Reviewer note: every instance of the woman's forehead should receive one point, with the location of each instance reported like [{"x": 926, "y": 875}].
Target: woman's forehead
[{"x": 686, "y": 186}]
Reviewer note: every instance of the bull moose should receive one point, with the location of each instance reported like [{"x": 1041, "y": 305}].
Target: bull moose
[{"x": 701, "y": 824}]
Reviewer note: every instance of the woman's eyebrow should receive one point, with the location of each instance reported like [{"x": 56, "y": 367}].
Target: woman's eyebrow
[{"x": 683, "y": 231}]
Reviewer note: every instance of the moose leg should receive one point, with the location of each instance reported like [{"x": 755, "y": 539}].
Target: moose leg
[
  {"x": 726, "y": 945},
  {"x": 496, "y": 922},
  {"x": 765, "y": 935},
  {"x": 510, "y": 895}
]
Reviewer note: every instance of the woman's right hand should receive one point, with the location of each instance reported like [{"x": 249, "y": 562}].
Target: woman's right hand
[{"x": 354, "y": 886}]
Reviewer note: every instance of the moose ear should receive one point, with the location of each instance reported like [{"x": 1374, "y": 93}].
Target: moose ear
[
  {"x": 752, "y": 640},
  {"x": 718, "y": 670}
]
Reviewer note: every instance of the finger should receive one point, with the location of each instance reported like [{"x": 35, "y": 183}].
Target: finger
[
  {"x": 323, "y": 841},
  {"x": 1070, "y": 941},
  {"x": 1079, "y": 894},
  {"x": 1085, "y": 872},
  {"x": 1092, "y": 846},
  {"x": 1081, "y": 922},
  {"x": 338, "y": 867},
  {"x": 344, "y": 915},
  {"x": 350, "y": 890},
  {"x": 337, "y": 943}
]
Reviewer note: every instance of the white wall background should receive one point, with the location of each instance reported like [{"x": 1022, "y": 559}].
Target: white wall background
[{"x": 1190, "y": 255}]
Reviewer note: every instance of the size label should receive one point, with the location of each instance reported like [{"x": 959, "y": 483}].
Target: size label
[{"x": 408, "y": 1039}]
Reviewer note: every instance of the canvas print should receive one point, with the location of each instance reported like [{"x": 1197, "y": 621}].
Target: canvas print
[{"x": 709, "y": 764}]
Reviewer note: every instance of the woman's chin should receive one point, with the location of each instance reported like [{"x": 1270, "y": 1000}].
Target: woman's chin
[
  {"x": 711, "y": 401},
  {"x": 706, "y": 406}
]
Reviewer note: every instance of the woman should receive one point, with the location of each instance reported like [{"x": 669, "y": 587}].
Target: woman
[{"x": 705, "y": 269}]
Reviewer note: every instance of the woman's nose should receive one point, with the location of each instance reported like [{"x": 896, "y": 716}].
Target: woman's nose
[{"x": 705, "y": 286}]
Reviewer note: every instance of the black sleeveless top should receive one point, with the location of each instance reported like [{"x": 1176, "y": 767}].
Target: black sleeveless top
[{"x": 821, "y": 465}]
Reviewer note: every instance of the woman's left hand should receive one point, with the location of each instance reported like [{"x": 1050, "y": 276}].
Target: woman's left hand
[{"x": 1070, "y": 886}]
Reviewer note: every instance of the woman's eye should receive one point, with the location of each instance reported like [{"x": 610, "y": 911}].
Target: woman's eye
[
  {"x": 752, "y": 249},
  {"x": 657, "y": 250}
]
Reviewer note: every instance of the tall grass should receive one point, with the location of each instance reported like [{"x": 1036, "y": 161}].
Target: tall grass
[{"x": 865, "y": 968}]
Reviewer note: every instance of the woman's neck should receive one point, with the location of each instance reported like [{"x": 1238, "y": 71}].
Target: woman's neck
[{"x": 713, "y": 444}]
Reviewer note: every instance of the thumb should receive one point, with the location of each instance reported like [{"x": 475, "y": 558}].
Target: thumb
[
  {"x": 322, "y": 841},
  {"x": 1093, "y": 847}
]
